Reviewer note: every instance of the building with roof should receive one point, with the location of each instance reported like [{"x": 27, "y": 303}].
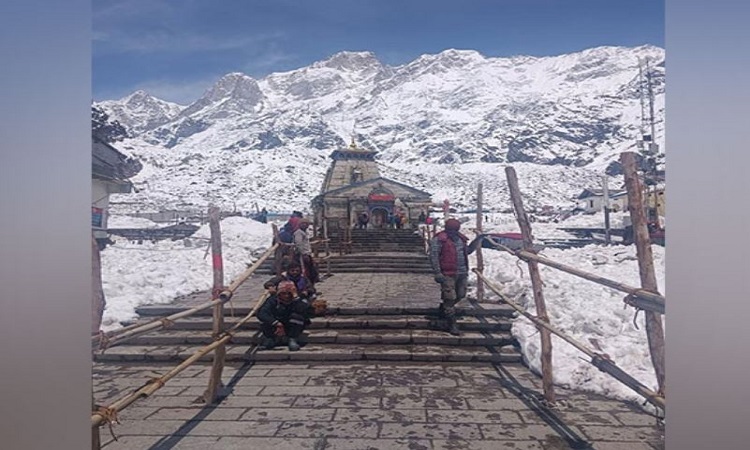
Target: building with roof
[
  {"x": 110, "y": 173},
  {"x": 353, "y": 185}
]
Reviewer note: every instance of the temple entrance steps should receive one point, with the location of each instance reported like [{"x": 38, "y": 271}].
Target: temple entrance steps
[
  {"x": 380, "y": 240},
  {"x": 371, "y": 262},
  {"x": 345, "y": 334}
]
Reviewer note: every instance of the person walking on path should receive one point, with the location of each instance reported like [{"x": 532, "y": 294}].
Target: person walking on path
[
  {"x": 284, "y": 315},
  {"x": 449, "y": 256}
]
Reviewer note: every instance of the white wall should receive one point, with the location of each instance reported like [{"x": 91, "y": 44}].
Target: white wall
[{"x": 100, "y": 198}]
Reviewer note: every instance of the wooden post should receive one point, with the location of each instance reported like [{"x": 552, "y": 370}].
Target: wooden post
[
  {"x": 96, "y": 443},
  {"x": 214, "y": 214},
  {"x": 97, "y": 291},
  {"x": 654, "y": 326},
  {"x": 278, "y": 255},
  {"x": 327, "y": 243},
  {"x": 536, "y": 283},
  {"x": 480, "y": 257}
]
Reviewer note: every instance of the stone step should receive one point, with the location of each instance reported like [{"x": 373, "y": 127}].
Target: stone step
[
  {"x": 333, "y": 336},
  {"x": 396, "y": 313},
  {"x": 316, "y": 352},
  {"x": 369, "y": 322},
  {"x": 375, "y": 266}
]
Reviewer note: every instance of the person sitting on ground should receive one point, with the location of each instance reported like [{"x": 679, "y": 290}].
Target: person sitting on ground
[
  {"x": 283, "y": 315},
  {"x": 293, "y": 273},
  {"x": 449, "y": 256}
]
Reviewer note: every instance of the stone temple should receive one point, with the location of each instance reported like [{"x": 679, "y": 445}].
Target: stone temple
[{"x": 353, "y": 185}]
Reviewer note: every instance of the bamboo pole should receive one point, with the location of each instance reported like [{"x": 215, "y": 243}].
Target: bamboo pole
[
  {"x": 100, "y": 417},
  {"x": 654, "y": 326},
  {"x": 652, "y": 298},
  {"x": 164, "y": 322},
  {"x": 480, "y": 257},
  {"x": 536, "y": 283},
  {"x": 600, "y": 361},
  {"x": 217, "y": 327}
]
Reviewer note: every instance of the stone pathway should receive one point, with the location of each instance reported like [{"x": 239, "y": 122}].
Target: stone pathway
[
  {"x": 368, "y": 406},
  {"x": 348, "y": 290},
  {"x": 365, "y": 404}
]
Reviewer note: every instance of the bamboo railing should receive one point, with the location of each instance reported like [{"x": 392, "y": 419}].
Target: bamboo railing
[
  {"x": 109, "y": 413},
  {"x": 600, "y": 361},
  {"x": 649, "y": 300},
  {"x": 123, "y": 334}
]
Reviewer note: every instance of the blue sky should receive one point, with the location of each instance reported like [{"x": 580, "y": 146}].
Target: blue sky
[{"x": 176, "y": 49}]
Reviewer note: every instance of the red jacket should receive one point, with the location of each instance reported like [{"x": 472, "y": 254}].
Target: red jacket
[{"x": 448, "y": 254}]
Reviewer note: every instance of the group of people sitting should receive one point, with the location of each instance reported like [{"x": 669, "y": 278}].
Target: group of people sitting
[
  {"x": 287, "y": 312},
  {"x": 293, "y": 301}
]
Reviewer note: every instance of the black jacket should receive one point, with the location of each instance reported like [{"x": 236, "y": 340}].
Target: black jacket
[{"x": 272, "y": 310}]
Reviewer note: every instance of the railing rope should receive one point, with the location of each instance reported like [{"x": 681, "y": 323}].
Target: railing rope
[{"x": 600, "y": 361}]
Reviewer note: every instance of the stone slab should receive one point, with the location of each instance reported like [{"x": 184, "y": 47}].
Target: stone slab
[
  {"x": 330, "y": 429},
  {"x": 463, "y": 444},
  {"x": 289, "y": 414},
  {"x": 430, "y": 430},
  {"x": 473, "y": 416}
]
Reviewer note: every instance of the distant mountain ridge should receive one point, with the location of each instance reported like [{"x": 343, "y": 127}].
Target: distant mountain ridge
[{"x": 457, "y": 107}]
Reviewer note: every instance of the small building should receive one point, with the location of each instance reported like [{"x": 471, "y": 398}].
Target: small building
[
  {"x": 592, "y": 200},
  {"x": 353, "y": 185},
  {"x": 653, "y": 199},
  {"x": 110, "y": 170}
]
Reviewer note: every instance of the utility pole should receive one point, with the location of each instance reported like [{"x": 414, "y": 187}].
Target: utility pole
[{"x": 605, "y": 189}]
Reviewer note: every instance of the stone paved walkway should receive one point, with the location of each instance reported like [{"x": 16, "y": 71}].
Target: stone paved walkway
[
  {"x": 368, "y": 406},
  {"x": 365, "y": 405},
  {"x": 349, "y": 290}
]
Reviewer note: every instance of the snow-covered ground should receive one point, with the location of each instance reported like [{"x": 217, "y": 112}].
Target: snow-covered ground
[
  {"x": 138, "y": 274},
  {"x": 594, "y": 315}
]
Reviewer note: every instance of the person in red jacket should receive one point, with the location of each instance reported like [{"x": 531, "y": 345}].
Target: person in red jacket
[{"x": 449, "y": 256}]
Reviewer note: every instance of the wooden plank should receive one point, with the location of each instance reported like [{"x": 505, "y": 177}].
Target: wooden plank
[
  {"x": 536, "y": 283},
  {"x": 654, "y": 325}
]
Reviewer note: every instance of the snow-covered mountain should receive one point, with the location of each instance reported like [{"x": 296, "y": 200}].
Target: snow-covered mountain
[
  {"x": 436, "y": 122},
  {"x": 140, "y": 112}
]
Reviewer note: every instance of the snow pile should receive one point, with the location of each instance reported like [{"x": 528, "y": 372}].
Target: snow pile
[
  {"x": 588, "y": 312},
  {"x": 139, "y": 274}
]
